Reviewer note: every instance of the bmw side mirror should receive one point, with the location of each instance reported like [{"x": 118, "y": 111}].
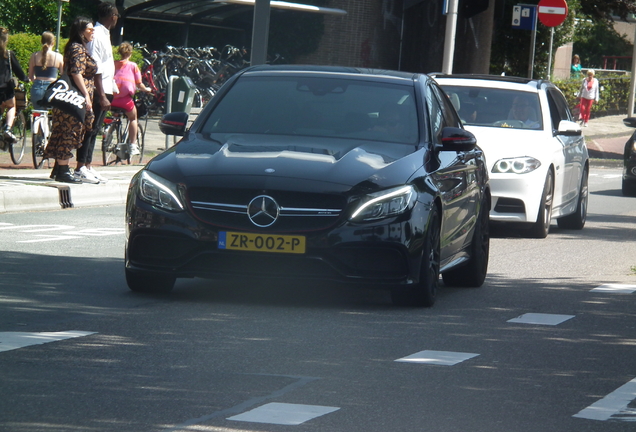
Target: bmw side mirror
[
  {"x": 174, "y": 123},
  {"x": 630, "y": 122},
  {"x": 569, "y": 128},
  {"x": 457, "y": 139}
]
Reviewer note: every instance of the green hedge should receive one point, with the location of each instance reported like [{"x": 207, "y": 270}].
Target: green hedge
[{"x": 614, "y": 94}]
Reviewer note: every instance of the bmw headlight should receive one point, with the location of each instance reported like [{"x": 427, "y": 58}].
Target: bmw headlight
[
  {"x": 158, "y": 192},
  {"x": 387, "y": 203},
  {"x": 519, "y": 165}
]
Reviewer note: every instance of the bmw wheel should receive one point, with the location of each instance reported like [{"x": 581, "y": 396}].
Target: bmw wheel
[
  {"x": 544, "y": 217},
  {"x": 577, "y": 219}
]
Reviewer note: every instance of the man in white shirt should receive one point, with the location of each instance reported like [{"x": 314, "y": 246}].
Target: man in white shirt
[{"x": 101, "y": 50}]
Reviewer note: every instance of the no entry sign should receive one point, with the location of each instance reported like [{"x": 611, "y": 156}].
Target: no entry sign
[{"x": 552, "y": 12}]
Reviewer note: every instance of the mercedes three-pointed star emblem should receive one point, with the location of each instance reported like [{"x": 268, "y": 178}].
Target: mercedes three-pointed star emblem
[{"x": 263, "y": 211}]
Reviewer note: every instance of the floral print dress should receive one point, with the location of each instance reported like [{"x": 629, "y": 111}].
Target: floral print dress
[{"x": 68, "y": 132}]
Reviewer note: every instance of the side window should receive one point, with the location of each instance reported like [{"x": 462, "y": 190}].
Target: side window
[
  {"x": 449, "y": 110},
  {"x": 436, "y": 116},
  {"x": 558, "y": 107}
]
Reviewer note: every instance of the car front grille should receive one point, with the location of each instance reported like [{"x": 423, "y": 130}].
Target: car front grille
[{"x": 299, "y": 211}]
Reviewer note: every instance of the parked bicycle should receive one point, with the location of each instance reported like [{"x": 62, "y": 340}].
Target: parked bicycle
[
  {"x": 116, "y": 146},
  {"x": 41, "y": 125},
  {"x": 16, "y": 149}
]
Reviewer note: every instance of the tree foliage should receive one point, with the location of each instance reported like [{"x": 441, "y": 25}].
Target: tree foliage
[
  {"x": 588, "y": 25},
  {"x": 594, "y": 40},
  {"x": 37, "y": 16}
]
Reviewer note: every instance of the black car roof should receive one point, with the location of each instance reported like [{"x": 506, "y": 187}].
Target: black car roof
[{"x": 335, "y": 70}]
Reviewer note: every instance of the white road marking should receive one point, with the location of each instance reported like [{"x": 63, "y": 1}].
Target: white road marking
[
  {"x": 613, "y": 406},
  {"x": 444, "y": 358},
  {"x": 14, "y": 340},
  {"x": 541, "y": 319},
  {"x": 44, "y": 238},
  {"x": 68, "y": 235},
  {"x": 37, "y": 228},
  {"x": 283, "y": 413},
  {"x": 615, "y": 288}
]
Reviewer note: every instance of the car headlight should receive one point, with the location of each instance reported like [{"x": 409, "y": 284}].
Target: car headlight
[
  {"x": 519, "y": 165},
  {"x": 387, "y": 203},
  {"x": 159, "y": 192}
]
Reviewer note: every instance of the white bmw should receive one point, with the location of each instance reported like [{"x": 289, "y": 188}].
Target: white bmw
[{"x": 535, "y": 151}]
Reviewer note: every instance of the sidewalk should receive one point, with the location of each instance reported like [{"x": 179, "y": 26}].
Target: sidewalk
[{"x": 23, "y": 188}]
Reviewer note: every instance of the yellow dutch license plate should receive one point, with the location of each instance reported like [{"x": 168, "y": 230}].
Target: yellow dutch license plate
[{"x": 261, "y": 242}]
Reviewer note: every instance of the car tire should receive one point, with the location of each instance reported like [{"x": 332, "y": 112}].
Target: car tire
[
  {"x": 148, "y": 282},
  {"x": 628, "y": 188},
  {"x": 424, "y": 293},
  {"x": 577, "y": 219},
  {"x": 541, "y": 227},
  {"x": 473, "y": 274}
]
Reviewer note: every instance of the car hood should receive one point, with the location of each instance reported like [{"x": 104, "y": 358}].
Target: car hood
[
  {"x": 286, "y": 162},
  {"x": 500, "y": 142}
]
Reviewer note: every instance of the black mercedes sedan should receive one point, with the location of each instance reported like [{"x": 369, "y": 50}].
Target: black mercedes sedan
[
  {"x": 629, "y": 161},
  {"x": 312, "y": 172}
]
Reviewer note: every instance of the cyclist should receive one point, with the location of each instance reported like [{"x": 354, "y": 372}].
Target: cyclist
[
  {"x": 44, "y": 66},
  {"x": 128, "y": 80},
  {"x": 9, "y": 66}
]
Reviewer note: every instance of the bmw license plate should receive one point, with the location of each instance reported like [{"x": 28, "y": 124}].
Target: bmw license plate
[{"x": 261, "y": 242}]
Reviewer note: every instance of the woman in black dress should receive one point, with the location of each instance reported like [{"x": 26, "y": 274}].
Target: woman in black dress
[{"x": 68, "y": 131}]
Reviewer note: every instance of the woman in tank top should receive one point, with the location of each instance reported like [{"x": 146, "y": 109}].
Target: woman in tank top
[{"x": 44, "y": 67}]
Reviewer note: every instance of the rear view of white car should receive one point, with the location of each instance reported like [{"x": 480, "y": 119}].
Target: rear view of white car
[{"x": 535, "y": 151}]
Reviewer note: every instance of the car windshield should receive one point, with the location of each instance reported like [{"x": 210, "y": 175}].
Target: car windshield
[
  {"x": 318, "y": 107},
  {"x": 479, "y": 106}
]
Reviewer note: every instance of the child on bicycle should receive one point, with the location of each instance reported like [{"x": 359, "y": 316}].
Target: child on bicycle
[
  {"x": 9, "y": 65},
  {"x": 128, "y": 80}
]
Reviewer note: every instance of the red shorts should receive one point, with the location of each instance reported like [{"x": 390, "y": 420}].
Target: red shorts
[{"x": 126, "y": 103}]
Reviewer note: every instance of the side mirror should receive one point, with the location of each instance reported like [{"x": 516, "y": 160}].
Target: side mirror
[
  {"x": 569, "y": 128},
  {"x": 630, "y": 122},
  {"x": 457, "y": 139},
  {"x": 174, "y": 123}
]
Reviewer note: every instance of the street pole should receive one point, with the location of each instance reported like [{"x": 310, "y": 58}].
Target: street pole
[
  {"x": 449, "y": 37},
  {"x": 59, "y": 25},
  {"x": 260, "y": 32},
  {"x": 632, "y": 89},
  {"x": 550, "y": 55},
  {"x": 533, "y": 43}
]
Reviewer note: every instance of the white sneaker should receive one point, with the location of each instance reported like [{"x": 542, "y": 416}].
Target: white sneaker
[
  {"x": 134, "y": 150},
  {"x": 85, "y": 176},
  {"x": 97, "y": 175}
]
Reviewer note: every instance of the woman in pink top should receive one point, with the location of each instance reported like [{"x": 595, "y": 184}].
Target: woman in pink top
[{"x": 128, "y": 79}]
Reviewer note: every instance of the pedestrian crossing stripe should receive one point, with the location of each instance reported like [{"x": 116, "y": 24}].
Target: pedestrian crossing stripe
[
  {"x": 283, "y": 413},
  {"x": 541, "y": 319},
  {"x": 615, "y": 289},
  {"x": 443, "y": 358},
  {"x": 14, "y": 340}
]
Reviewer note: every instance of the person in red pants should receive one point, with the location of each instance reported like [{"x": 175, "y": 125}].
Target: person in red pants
[{"x": 588, "y": 93}]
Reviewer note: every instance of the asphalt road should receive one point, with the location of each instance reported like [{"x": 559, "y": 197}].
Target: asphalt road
[{"x": 547, "y": 344}]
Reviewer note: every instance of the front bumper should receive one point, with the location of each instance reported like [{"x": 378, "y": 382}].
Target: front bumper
[{"x": 178, "y": 244}]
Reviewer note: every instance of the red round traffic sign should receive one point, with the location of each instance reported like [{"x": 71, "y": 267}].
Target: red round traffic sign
[{"x": 552, "y": 12}]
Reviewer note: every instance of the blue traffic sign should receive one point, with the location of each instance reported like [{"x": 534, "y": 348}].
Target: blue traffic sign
[{"x": 524, "y": 17}]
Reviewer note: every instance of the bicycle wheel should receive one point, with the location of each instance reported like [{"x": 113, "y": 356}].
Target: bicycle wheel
[
  {"x": 109, "y": 144},
  {"x": 141, "y": 133},
  {"x": 19, "y": 130},
  {"x": 37, "y": 145}
]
